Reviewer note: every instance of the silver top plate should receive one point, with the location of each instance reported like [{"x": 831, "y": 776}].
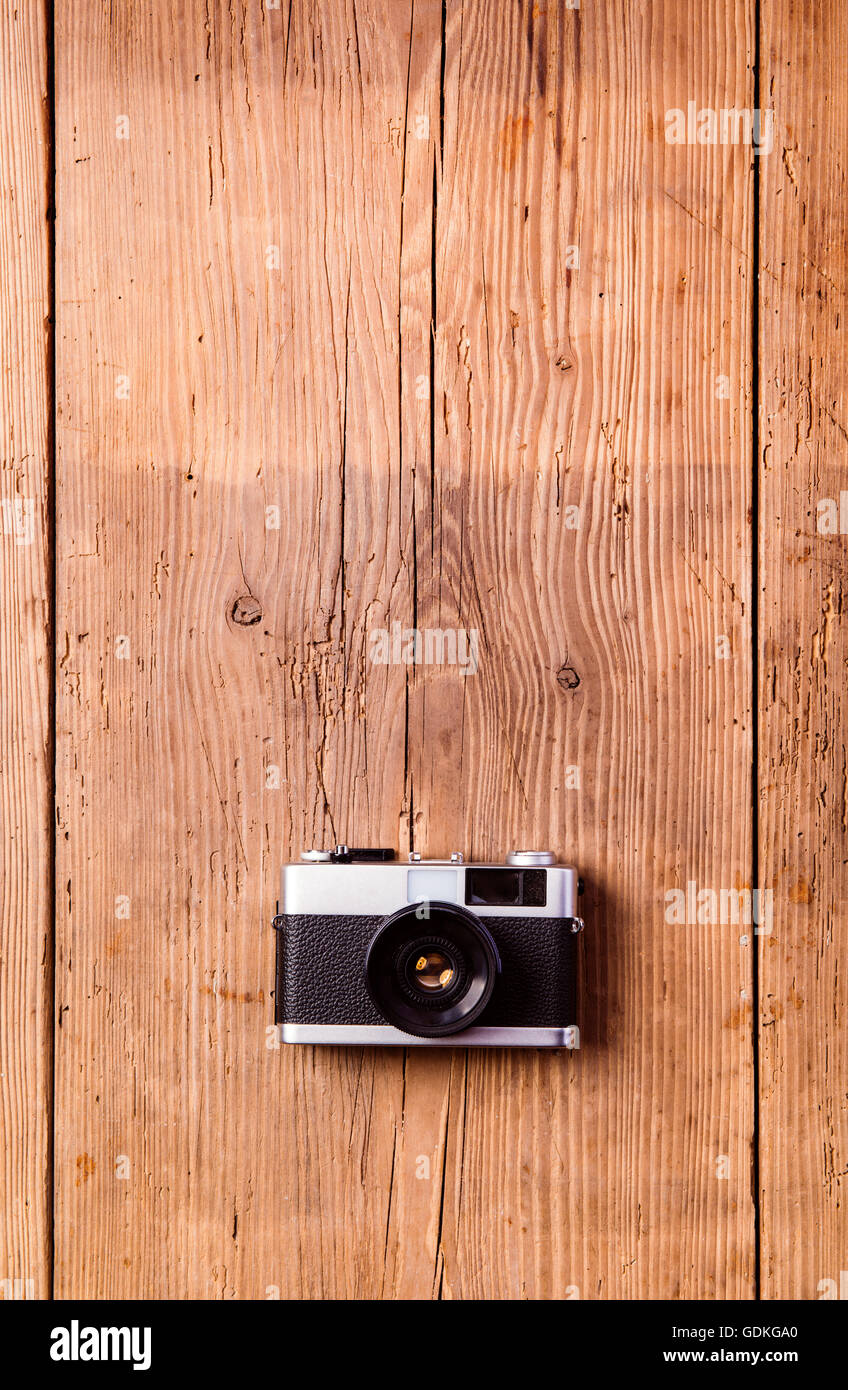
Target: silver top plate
[{"x": 371, "y": 890}]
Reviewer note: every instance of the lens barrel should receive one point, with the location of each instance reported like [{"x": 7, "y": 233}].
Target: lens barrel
[{"x": 431, "y": 975}]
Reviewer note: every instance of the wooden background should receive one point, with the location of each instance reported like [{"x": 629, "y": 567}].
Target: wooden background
[{"x": 346, "y": 308}]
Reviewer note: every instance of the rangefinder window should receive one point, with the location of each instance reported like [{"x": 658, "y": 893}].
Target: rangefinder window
[
  {"x": 534, "y": 892},
  {"x": 506, "y": 887}
]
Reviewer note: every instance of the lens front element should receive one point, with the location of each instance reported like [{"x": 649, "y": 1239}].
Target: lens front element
[
  {"x": 431, "y": 975},
  {"x": 432, "y": 971}
]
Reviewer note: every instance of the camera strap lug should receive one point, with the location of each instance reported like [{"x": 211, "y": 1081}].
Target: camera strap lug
[
  {"x": 577, "y": 924},
  {"x": 277, "y": 921}
]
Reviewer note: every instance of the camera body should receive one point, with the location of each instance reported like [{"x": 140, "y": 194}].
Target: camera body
[{"x": 437, "y": 953}]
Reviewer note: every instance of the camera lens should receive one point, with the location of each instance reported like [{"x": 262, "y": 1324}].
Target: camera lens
[
  {"x": 432, "y": 971},
  {"x": 431, "y": 975}
]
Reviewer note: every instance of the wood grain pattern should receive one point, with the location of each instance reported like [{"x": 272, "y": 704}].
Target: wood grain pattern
[
  {"x": 25, "y": 584},
  {"x": 803, "y": 819},
  {"x": 421, "y": 389},
  {"x": 595, "y": 387},
  {"x": 238, "y": 260}
]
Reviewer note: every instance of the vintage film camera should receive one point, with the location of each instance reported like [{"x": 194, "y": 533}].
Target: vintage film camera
[{"x": 435, "y": 953}]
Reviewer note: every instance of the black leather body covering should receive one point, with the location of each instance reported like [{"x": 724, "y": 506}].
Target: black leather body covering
[{"x": 321, "y": 971}]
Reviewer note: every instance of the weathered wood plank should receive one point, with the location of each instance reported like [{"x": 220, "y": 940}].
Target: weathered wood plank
[
  {"x": 802, "y": 549},
  {"x": 201, "y": 647},
  {"x": 615, "y": 650},
  {"x": 229, "y": 288},
  {"x": 26, "y": 949}
]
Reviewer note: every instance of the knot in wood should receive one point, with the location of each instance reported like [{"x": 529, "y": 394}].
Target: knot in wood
[
  {"x": 568, "y": 678},
  {"x": 247, "y": 610}
]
